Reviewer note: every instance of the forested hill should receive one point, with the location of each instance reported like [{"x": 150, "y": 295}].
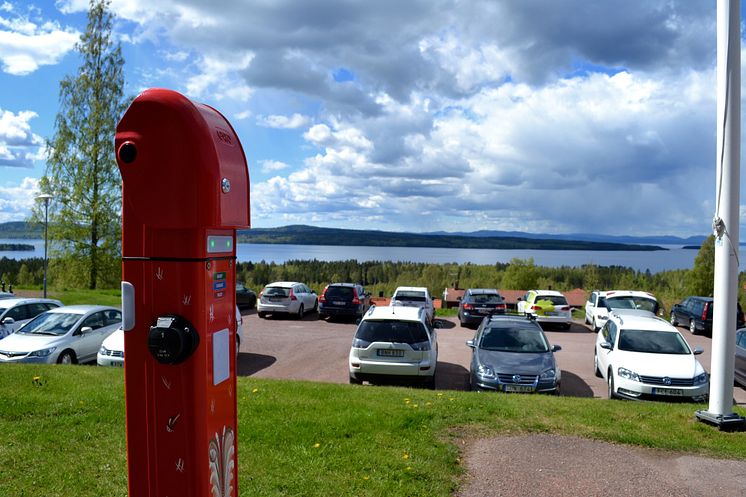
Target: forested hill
[{"x": 310, "y": 235}]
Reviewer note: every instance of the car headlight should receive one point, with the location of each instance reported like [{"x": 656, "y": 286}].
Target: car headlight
[
  {"x": 103, "y": 351},
  {"x": 626, "y": 373},
  {"x": 701, "y": 379},
  {"x": 42, "y": 352},
  {"x": 486, "y": 372},
  {"x": 549, "y": 374}
]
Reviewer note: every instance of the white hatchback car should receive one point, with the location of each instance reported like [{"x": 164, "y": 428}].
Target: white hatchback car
[
  {"x": 64, "y": 335},
  {"x": 15, "y": 312},
  {"x": 643, "y": 356},
  {"x": 549, "y": 307},
  {"x": 287, "y": 297},
  {"x": 394, "y": 343}
]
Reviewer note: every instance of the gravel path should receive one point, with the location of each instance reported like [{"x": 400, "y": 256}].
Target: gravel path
[{"x": 559, "y": 466}]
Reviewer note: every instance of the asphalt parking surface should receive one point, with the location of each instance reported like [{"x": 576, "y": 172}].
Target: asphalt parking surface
[{"x": 316, "y": 350}]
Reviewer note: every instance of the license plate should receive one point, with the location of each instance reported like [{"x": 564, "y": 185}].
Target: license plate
[
  {"x": 390, "y": 353},
  {"x": 483, "y": 310},
  {"x": 551, "y": 313},
  {"x": 518, "y": 388},
  {"x": 668, "y": 391},
  {"x": 338, "y": 303}
]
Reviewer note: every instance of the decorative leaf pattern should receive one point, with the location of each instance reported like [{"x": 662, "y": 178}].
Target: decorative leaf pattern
[{"x": 221, "y": 462}]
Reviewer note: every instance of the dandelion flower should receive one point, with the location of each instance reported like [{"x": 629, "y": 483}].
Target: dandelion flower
[
  {"x": 405, "y": 456},
  {"x": 255, "y": 390},
  {"x": 428, "y": 403},
  {"x": 366, "y": 477},
  {"x": 316, "y": 445},
  {"x": 409, "y": 468}
]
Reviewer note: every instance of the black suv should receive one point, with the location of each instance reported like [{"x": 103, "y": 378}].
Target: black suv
[
  {"x": 696, "y": 314},
  {"x": 343, "y": 299}
]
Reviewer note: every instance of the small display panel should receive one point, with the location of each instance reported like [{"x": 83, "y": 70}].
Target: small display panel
[{"x": 219, "y": 244}]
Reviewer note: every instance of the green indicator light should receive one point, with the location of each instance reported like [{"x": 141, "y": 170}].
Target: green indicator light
[
  {"x": 228, "y": 243},
  {"x": 212, "y": 243}
]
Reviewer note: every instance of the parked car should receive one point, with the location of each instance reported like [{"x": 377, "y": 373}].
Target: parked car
[
  {"x": 343, "y": 299},
  {"x": 16, "y": 312},
  {"x": 394, "y": 343},
  {"x": 598, "y": 304},
  {"x": 478, "y": 303},
  {"x": 111, "y": 352},
  {"x": 696, "y": 314},
  {"x": 286, "y": 297},
  {"x": 7, "y": 295},
  {"x": 548, "y": 306},
  {"x": 640, "y": 355},
  {"x": 63, "y": 335},
  {"x": 414, "y": 296},
  {"x": 512, "y": 354},
  {"x": 245, "y": 297},
  {"x": 740, "y": 369}
]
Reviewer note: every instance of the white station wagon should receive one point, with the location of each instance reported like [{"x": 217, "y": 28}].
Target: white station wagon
[{"x": 643, "y": 356}]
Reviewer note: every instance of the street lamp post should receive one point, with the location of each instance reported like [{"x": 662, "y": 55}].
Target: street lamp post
[{"x": 46, "y": 198}]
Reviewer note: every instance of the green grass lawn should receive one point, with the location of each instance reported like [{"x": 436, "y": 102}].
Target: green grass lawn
[
  {"x": 111, "y": 296},
  {"x": 63, "y": 433}
]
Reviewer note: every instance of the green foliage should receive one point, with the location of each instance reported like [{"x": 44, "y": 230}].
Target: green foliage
[
  {"x": 701, "y": 279},
  {"x": 81, "y": 173}
]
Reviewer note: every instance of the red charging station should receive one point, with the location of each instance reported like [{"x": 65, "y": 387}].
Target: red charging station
[{"x": 185, "y": 192}]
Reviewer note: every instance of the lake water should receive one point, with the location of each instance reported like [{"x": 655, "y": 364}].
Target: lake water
[{"x": 662, "y": 260}]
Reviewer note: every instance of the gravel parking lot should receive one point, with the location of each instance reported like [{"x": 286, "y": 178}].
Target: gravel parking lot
[{"x": 316, "y": 350}]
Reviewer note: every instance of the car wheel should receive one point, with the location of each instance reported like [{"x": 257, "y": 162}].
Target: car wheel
[
  {"x": 610, "y": 384},
  {"x": 355, "y": 381},
  {"x": 596, "y": 370},
  {"x": 262, "y": 315},
  {"x": 315, "y": 306},
  {"x": 66, "y": 357},
  {"x": 300, "y": 312},
  {"x": 692, "y": 327},
  {"x": 587, "y": 321},
  {"x": 673, "y": 320},
  {"x": 595, "y": 325},
  {"x": 238, "y": 346}
]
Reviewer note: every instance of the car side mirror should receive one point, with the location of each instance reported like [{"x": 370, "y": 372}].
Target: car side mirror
[
  {"x": 698, "y": 350},
  {"x": 85, "y": 329},
  {"x": 470, "y": 343},
  {"x": 357, "y": 321},
  {"x": 556, "y": 348},
  {"x": 606, "y": 345},
  {"x": 519, "y": 299},
  {"x": 9, "y": 320}
]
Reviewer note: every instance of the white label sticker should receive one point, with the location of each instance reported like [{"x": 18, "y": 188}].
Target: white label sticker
[{"x": 221, "y": 356}]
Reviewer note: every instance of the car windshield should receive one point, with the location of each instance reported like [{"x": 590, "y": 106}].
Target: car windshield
[
  {"x": 642, "y": 303},
  {"x": 50, "y": 323},
  {"x": 486, "y": 298},
  {"x": 392, "y": 331},
  {"x": 410, "y": 296},
  {"x": 653, "y": 342},
  {"x": 339, "y": 292},
  {"x": 276, "y": 291},
  {"x": 551, "y": 299},
  {"x": 516, "y": 339}
]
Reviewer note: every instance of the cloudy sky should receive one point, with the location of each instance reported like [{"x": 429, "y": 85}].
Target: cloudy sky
[{"x": 552, "y": 116}]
